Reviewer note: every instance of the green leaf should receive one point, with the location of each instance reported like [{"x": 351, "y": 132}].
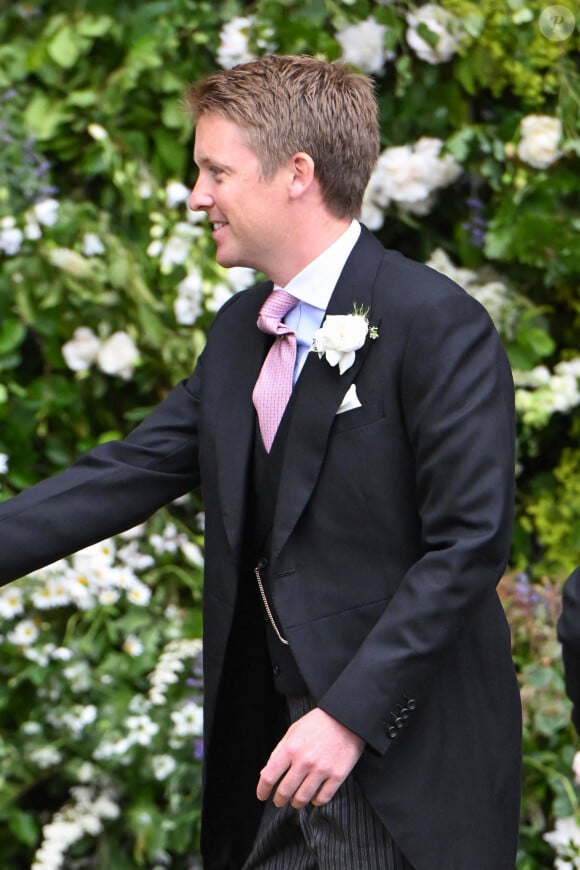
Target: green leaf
[
  {"x": 43, "y": 116},
  {"x": 459, "y": 144},
  {"x": 171, "y": 151},
  {"x": 94, "y": 25},
  {"x": 65, "y": 47},
  {"x": 152, "y": 326},
  {"x": 24, "y": 827},
  {"x": 430, "y": 37},
  {"x": 12, "y": 334}
]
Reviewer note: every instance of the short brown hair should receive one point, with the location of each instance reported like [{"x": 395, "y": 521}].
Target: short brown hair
[{"x": 291, "y": 103}]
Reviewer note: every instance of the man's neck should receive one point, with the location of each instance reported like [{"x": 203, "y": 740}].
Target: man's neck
[{"x": 306, "y": 241}]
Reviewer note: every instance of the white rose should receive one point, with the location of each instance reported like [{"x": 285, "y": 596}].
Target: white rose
[
  {"x": 339, "y": 337},
  {"x": 240, "y": 277},
  {"x": 175, "y": 252},
  {"x": 566, "y": 833},
  {"x": 440, "y": 170},
  {"x": 568, "y": 367},
  {"x": 81, "y": 350},
  {"x": 443, "y": 24},
  {"x": 363, "y": 45},
  {"x": 186, "y": 309},
  {"x": 118, "y": 355},
  {"x": 564, "y": 392},
  {"x": 176, "y": 193},
  {"x": 220, "y": 294},
  {"x": 234, "y": 39},
  {"x": 191, "y": 285},
  {"x": 371, "y": 215},
  {"x": 409, "y": 175},
  {"x": 540, "y": 136}
]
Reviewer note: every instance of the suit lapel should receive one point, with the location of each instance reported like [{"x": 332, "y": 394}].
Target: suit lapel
[{"x": 319, "y": 392}]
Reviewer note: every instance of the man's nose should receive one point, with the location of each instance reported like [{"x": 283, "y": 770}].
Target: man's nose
[{"x": 200, "y": 199}]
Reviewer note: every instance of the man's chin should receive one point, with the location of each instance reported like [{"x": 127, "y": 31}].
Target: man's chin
[{"x": 228, "y": 259}]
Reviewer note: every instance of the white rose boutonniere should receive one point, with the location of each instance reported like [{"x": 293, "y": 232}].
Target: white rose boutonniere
[{"x": 341, "y": 335}]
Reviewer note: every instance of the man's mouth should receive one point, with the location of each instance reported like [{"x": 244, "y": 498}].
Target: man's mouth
[{"x": 218, "y": 225}]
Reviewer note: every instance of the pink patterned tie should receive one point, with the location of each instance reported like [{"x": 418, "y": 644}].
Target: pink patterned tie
[{"x": 274, "y": 384}]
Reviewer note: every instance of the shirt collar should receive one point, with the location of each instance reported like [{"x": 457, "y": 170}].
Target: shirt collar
[{"x": 316, "y": 282}]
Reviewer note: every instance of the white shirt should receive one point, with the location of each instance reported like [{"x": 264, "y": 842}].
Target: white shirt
[{"x": 314, "y": 286}]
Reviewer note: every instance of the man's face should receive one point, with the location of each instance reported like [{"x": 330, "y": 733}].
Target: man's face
[{"x": 247, "y": 212}]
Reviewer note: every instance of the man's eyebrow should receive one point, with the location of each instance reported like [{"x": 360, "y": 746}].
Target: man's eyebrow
[{"x": 207, "y": 160}]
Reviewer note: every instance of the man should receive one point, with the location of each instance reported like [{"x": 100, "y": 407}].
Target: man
[
  {"x": 569, "y": 636},
  {"x": 361, "y": 707}
]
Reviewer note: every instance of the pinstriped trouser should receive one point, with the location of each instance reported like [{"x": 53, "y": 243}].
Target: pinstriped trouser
[{"x": 345, "y": 834}]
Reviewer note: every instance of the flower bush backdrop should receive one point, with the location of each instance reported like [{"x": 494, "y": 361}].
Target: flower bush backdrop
[{"x": 107, "y": 287}]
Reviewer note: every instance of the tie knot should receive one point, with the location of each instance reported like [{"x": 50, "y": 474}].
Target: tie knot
[{"x": 278, "y": 303}]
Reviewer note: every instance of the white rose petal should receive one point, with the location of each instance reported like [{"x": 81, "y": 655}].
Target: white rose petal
[
  {"x": 176, "y": 193},
  {"x": 233, "y": 48},
  {"x": 443, "y": 24},
  {"x": 339, "y": 337},
  {"x": 173, "y": 253},
  {"x": 363, "y": 45},
  {"x": 118, "y": 355},
  {"x": 186, "y": 310},
  {"x": 81, "y": 350},
  {"x": 409, "y": 175},
  {"x": 540, "y": 137},
  {"x": 221, "y": 294}
]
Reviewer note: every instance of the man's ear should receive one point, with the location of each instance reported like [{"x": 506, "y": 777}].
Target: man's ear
[{"x": 302, "y": 177}]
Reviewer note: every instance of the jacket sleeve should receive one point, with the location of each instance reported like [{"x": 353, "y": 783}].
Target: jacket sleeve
[
  {"x": 112, "y": 488},
  {"x": 569, "y": 637}
]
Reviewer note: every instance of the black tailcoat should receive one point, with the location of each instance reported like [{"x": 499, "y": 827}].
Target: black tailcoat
[{"x": 391, "y": 531}]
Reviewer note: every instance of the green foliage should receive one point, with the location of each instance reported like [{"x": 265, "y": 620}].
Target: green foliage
[
  {"x": 552, "y": 515},
  {"x": 108, "y": 285}
]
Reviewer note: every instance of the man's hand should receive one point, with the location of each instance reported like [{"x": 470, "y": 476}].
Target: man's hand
[{"x": 311, "y": 761}]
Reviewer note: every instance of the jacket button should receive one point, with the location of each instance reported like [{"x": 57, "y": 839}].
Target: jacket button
[
  {"x": 392, "y": 731},
  {"x": 410, "y": 703},
  {"x": 276, "y": 670},
  {"x": 399, "y": 722},
  {"x": 262, "y": 562}
]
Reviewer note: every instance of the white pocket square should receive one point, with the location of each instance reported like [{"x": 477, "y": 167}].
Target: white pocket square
[{"x": 350, "y": 401}]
